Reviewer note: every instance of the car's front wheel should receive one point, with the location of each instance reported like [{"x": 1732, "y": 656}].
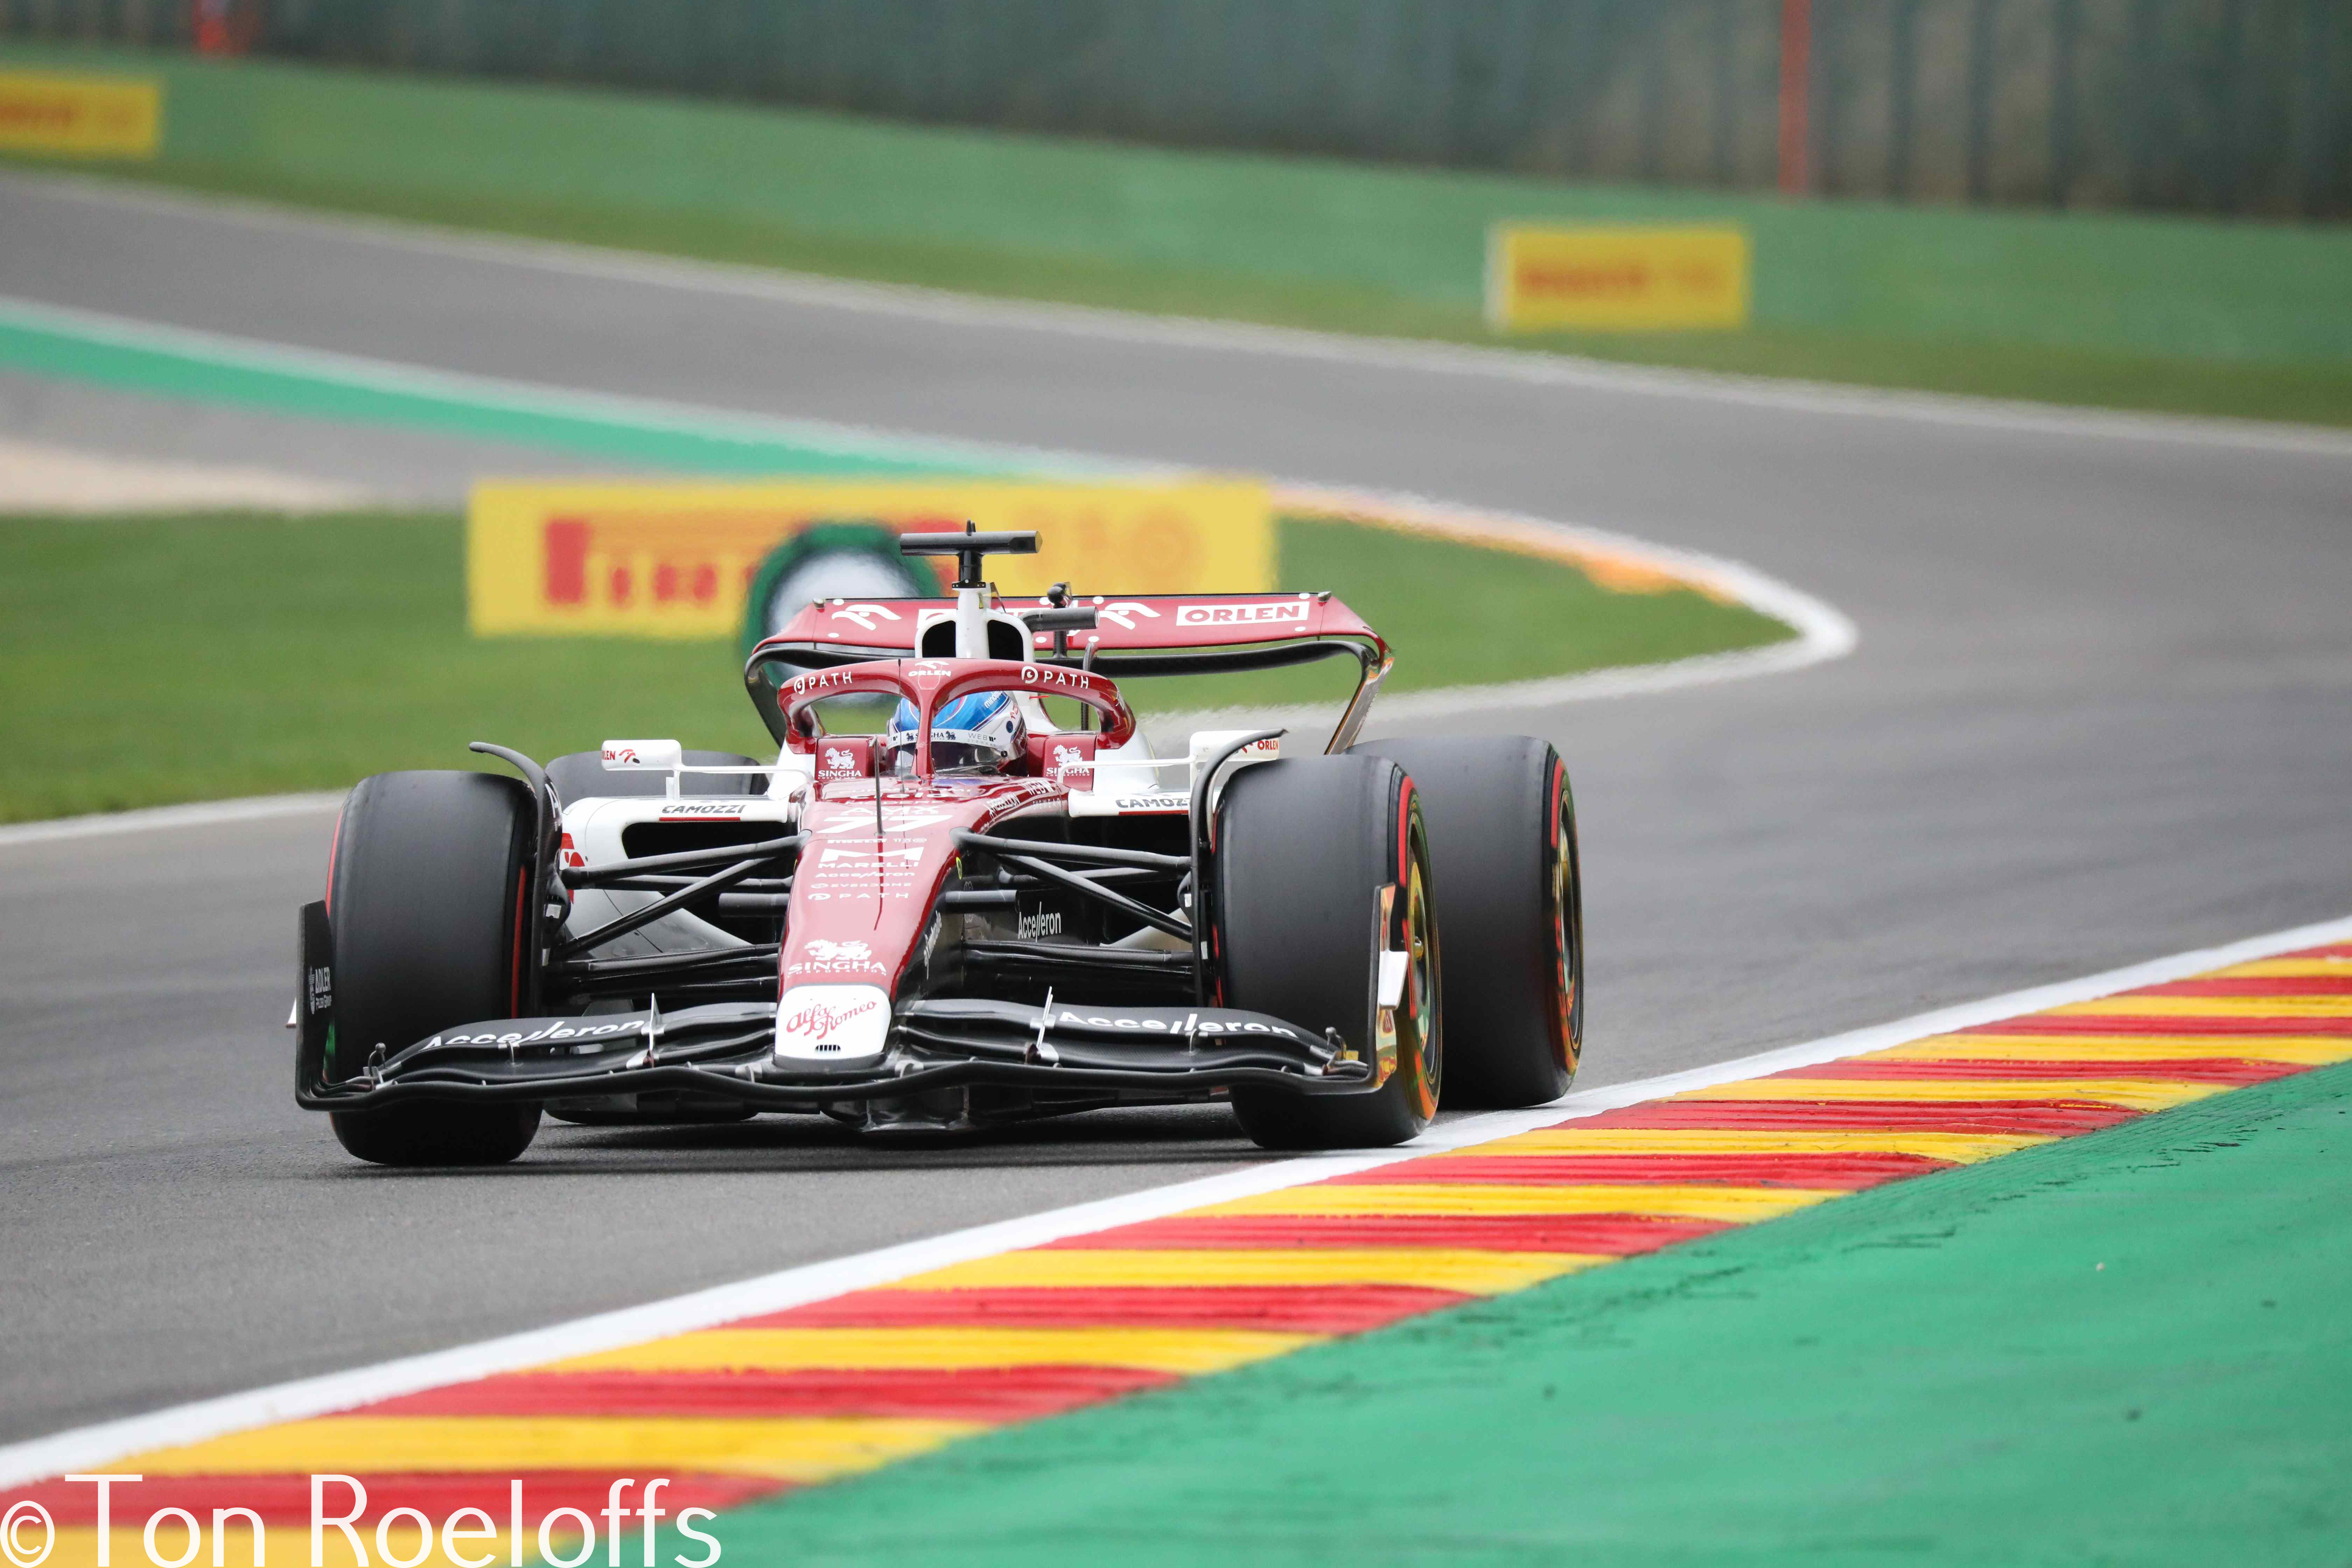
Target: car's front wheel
[
  {"x": 429, "y": 903},
  {"x": 1322, "y": 868}
]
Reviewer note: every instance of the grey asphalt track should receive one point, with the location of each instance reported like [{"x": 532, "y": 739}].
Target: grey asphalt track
[{"x": 2099, "y": 714}]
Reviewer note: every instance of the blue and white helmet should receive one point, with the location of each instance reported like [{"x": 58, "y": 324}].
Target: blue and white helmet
[{"x": 981, "y": 734}]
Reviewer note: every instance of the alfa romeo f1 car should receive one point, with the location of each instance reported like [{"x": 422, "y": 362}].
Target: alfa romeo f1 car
[{"x": 976, "y": 916}]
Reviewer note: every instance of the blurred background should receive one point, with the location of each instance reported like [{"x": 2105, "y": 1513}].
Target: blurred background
[
  {"x": 2125, "y": 203},
  {"x": 2133, "y": 203},
  {"x": 2219, "y": 106}
]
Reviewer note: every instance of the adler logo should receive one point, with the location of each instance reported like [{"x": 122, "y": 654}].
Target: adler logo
[
  {"x": 1123, "y": 612},
  {"x": 896, "y": 820},
  {"x": 911, "y": 855}
]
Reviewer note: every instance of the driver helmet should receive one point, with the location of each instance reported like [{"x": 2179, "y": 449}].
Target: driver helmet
[{"x": 981, "y": 734}]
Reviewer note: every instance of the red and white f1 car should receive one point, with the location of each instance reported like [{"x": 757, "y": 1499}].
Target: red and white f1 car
[{"x": 975, "y": 915}]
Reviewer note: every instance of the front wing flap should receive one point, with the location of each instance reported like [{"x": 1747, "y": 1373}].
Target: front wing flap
[{"x": 726, "y": 1049}]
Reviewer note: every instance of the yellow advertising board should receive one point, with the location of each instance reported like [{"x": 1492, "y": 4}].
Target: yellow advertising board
[
  {"x": 86, "y": 116},
  {"x": 678, "y": 559},
  {"x": 1622, "y": 280}
]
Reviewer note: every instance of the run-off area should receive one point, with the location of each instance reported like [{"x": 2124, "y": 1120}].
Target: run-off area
[
  {"x": 2126, "y": 1347},
  {"x": 274, "y": 654}
]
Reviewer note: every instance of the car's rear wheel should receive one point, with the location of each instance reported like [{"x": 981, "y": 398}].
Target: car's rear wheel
[
  {"x": 1502, "y": 821},
  {"x": 427, "y": 898},
  {"x": 1322, "y": 863}
]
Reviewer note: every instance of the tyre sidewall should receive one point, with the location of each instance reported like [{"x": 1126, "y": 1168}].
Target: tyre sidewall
[
  {"x": 428, "y": 900},
  {"x": 1303, "y": 847},
  {"x": 1502, "y": 829}
]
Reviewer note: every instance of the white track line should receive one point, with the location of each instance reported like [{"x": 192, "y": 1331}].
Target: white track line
[
  {"x": 203, "y": 814},
  {"x": 1823, "y": 631},
  {"x": 1534, "y": 368},
  {"x": 1513, "y": 696},
  {"x": 90, "y": 1448}
]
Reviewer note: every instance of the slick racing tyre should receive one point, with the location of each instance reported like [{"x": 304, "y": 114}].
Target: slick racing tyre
[
  {"x": 1304, "y": 849},
  {"x": 1502, "y": 822},
  {"x": 580, "y": 775},
  {"x": 426, "y": 895}
]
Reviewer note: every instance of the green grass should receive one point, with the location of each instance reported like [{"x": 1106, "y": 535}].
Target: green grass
[
  {"x": 2307, "y": 391},
  {"x": 2124, "y": 1348},
  {"x": 147, "y": 661}
]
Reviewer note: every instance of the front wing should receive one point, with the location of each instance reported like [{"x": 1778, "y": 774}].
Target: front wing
[{"x": 725, "y": 1051}]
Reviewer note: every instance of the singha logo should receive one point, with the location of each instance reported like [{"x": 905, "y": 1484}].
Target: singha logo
[
  {"x": 825, "y": 952},
  {"x": 840, "y": 763}
]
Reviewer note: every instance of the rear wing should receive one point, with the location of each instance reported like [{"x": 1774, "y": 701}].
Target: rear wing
[{"x": 1132, "y": 635}]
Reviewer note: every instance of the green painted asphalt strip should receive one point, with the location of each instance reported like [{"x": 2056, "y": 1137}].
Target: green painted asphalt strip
[
  {"x": 2128, "y": 1348},
  {"x": 169, "y": 361}
]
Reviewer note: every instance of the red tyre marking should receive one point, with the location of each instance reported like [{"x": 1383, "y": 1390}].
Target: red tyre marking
[
  {"x": 334, "y": 845},
  {"x": 521, "y": 922},
  {"x": 1562, "y": 970}
]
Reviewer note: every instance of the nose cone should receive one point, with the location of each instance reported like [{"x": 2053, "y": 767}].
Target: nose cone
[{"x": 832, "y": 1024}]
